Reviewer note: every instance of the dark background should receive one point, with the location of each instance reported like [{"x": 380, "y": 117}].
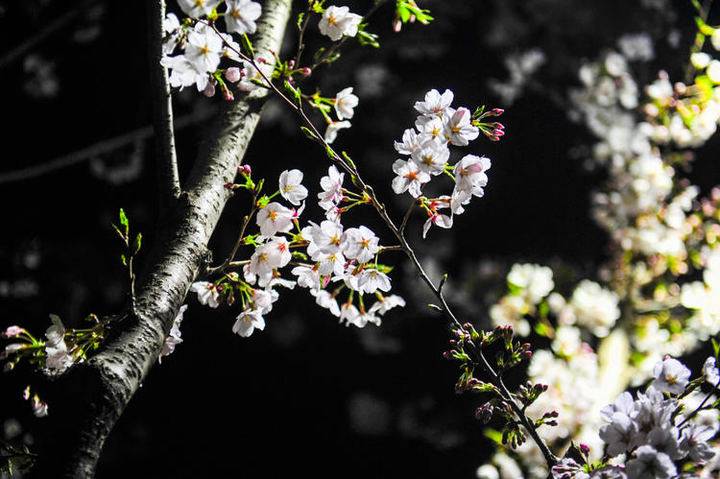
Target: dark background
[{"x": 305, "y": 396}]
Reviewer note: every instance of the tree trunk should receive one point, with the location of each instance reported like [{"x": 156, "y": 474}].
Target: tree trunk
[{"x": 86, "y": 402}]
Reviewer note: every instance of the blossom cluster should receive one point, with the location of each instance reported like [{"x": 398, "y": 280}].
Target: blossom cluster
[
  {"x": 335, "y": 259},
  {"x": 427, "y": 148}
]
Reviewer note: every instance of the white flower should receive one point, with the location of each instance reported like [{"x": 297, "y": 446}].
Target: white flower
[
  {"x": 535, "y": 280},
  {"x": 700, "y": 60},
  {"x": 184, "y": 74},
  {"x": 345, "y": 103},
  {"x": 307, "y": 278},
  {"x": 58, "y": 359},
  {"x": 713, "y": 71},
  {"x": 265, "y": 259},
  {"x": 328, "y": 301},
  {"x": 648, "y": 463},
  {"x": 410, "y": 143},
  {"x": 207, "y": 293},
  {"x": 332, "y": 188},
  {"x": 372, "y": 280},
  {"x": 431, "y": 128},
  {"x": 595, "y": 308},
  {"x": 204, "y": 48},
  {"x": 247, "y": 322},
  {"x": 715, "y": 39},
  {"x": 171, "y": 27},
  {"x": 619, "y": 434},
  {"x": 240, "y": 16},
  {"x": 39, "y": 407},
  {"x": 360, "y": 244},
  {"x": 567, "y": 341},
  {"x": 338, "y": 21},
  {"x": 410, "y": 178},
  {"x": 325, "y": 238},
  {"x": 333, "y": 128},
  {"x": 386, "y": 303},
  {"x": 331, "y": 264},
  {"x": 431, "y": 157},
  {"x": 710, "y": 371},
  {"x": 174, "y": 337},
  {"x": 470, "y": 175},
  {"x": 198, "y": 8},
  {"x": 695, "y": 440},
  {"x": 350, "y": 314},
  {"x": 459, "y": 129},
  {"x": 274, "y": 218},
  {"x": 291, "y": 187},
  {"x": 435, "y": 103},
  {"x": 671, "y": 376}
]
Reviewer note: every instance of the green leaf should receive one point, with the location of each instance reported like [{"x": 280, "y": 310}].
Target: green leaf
[
  {"x": 300, "y": 19},
  {"x": 124, "y": 222},
  {"x": 716, "y": 347},
  {"x": 123, "y": 259},
  {"x": 494, "y": 435},
  {"x": 247, "y": 44},
  {"x": 138, "y": 243},
  {"x": 308, "y": 133},
  {"x": 367, "y": 39}
]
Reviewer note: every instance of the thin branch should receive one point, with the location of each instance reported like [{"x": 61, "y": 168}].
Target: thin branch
[
  {"x": 241, "y": 236},
  {"x": 409, "y": 251},
  {"x": 167, "y": 167},
  {"x": 100, "y": 148},
  {"x": 42, "y": 34}
]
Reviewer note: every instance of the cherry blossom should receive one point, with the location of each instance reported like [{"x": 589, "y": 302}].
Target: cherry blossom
[
  {"x": 274, "y": 218},
  {"x": 240, "y": 16},
  {"x": 360, "y": 244},
  {"x": 198, "y": 8},
  {"x": 58, "y": 359},
  {"x": 470, "y": 175},
  {"x": 174, "y": 337},
  {"x": 409, "y": 178},
  {"x": 459, "y": 129},
  {"x": 291, "y": 187},
  {"x": 411, "y": 142},
  {"x": 671, "y": 376},
  {"x": 331, "y": 186},
  {"x": 207, "y": 293},
  {"x": 333, "y": 128},
  {"x": 431, "y": 157},
  {"x": 337, "y": 22},
  {"x": 247, "y": 322},
  {"x": 435, "y": 103},
  {"x": 345, "y": 103}
]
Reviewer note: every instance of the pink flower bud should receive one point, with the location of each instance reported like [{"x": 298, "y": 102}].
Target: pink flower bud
[
  {"x": 585, "y": 449},
  {"x": 245, "y": 170},
  {"x": 209, "y": 90},
  {"x": 13, "y": 331},
  {"x": 306, "y": 71},
  {"x": 233, "y": 74},
  {"x": 397, "y": 25},
  {"x": 291, "y": 64},
  {"x": 227, "y": 94},
  {"x": 497, "y": 111}
]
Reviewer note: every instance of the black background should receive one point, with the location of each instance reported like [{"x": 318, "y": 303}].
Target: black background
[{"x": 305, "y": 396}]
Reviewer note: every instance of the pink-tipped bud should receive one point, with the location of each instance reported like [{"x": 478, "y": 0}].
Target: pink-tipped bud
[
  {"x": 497, "y": 111},
  {"x": 13, "y": 331},
  {"x": 585, "y": 449},
  {"x": 291, "y": 64},
  {"x": 245, "y": 170},
  {"x": 209, "y": 90},
  {"x": 397, "y": 25},
  {"x": 233, "y": 74},
  {"x": 227, "y": 94},
  {"x": 306, "y": 71}
]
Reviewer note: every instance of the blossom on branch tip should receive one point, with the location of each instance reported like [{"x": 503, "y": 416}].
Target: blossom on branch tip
[
  {"x": 435, "y": 103},
  {"x": 337, "y": 22}
]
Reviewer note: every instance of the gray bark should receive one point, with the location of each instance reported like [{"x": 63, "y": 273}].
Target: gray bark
[{"x": 86, "y": 402}]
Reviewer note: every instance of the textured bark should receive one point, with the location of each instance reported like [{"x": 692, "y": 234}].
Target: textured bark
[{"x": 86, "y": 402}]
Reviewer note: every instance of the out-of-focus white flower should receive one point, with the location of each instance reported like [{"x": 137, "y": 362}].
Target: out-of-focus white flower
[
  {"x": 536, "y": 281},
  {"x": 198, "y": 8},
  {"x": 595, "y": 308},
  {"x": 710, "y": 371},
  {"x": 240, "y": 16},
  {"x": 648, "y": 463},
  {"x": 337, "y": 22}
]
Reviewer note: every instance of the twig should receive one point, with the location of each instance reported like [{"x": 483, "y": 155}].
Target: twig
[
  {"x": 167, "y": 167},
  {"x": 229, "y": 261},
  {"x": 99, "y": 148},
  {"x": 21, "y": 49}
]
